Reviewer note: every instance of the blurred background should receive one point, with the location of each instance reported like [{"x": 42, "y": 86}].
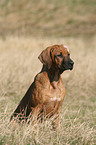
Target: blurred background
[{"x": 56, "y": 18}]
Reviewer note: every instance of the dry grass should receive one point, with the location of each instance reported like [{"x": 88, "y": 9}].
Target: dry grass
[{"x": 18, "y": 66}]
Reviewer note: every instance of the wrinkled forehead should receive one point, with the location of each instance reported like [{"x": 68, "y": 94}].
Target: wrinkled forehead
[{"x": 61, "y": 48}]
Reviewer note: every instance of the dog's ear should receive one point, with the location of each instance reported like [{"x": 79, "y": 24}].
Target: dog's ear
[{"x": 45, "y": 57}]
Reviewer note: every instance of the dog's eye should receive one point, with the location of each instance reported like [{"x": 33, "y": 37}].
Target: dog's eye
[
  {"x": 68, "y": 54},
  {"x": 60, "y": 55}
]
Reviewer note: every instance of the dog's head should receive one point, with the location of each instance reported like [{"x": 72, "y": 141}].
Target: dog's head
[{"x": 57, "y": 56}]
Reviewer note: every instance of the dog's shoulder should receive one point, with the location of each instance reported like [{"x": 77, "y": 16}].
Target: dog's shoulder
[{"x": 42, "y": 79}]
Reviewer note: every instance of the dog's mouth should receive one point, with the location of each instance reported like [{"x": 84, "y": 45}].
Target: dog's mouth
[
  {"x": 71, "y": 67},
  {"x": 67, "y": 66}
]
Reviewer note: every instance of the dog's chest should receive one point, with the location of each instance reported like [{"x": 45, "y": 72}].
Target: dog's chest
[
  {"x": 48, "y": 91},
  {"x": 57, "y": 92},
  {"x": 58, "y": 99},
  {"x": 54, "y": 99}
]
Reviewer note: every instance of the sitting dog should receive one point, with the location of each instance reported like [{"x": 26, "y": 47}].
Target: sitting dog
[{"x": 45, "y": 96}]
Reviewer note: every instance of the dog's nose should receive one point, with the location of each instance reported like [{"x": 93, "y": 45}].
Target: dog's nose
[{"x": 71, "y": 62}]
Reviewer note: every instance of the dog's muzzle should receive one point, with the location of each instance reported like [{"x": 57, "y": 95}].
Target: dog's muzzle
[{"x": 68, "y": 64}]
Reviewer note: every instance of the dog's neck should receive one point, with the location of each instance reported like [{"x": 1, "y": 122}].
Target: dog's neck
[{"x": 53, "y": 74}]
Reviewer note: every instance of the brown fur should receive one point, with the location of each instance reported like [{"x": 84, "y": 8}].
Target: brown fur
[{"x": 45, "y": 96}]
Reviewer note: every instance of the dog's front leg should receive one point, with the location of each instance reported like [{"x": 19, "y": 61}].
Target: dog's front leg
[
  {"x": 56, "y": 118},
  {"x": 35, "y": 111},
  {"x": 55, "y": 123}
]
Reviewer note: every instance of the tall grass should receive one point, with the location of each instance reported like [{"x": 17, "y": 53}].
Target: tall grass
[{"x": 19, "y": 64}]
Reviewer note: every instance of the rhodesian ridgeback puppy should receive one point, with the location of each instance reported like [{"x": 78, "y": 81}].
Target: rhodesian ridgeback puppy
[{"x": 45, "y": 96}]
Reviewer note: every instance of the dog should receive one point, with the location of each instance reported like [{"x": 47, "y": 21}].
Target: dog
[{"x": 45, "y": 96}]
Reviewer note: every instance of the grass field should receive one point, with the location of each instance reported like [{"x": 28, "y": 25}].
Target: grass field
[{"x": 19, "y": 64}]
